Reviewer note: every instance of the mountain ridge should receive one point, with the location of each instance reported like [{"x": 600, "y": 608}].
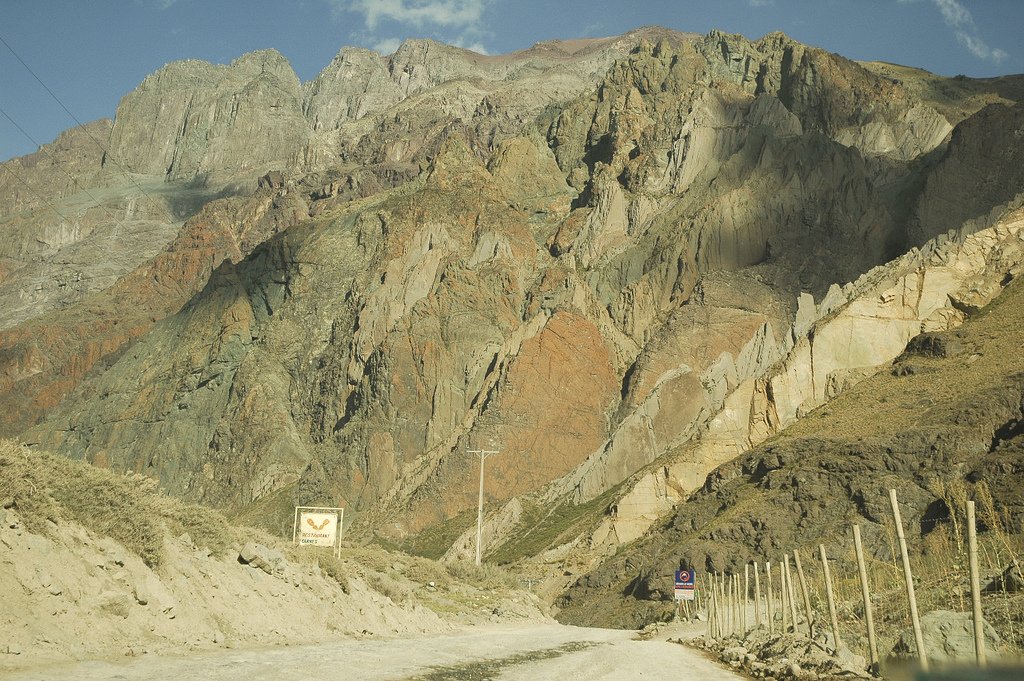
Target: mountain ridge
[{"x": 362, "y": 277}]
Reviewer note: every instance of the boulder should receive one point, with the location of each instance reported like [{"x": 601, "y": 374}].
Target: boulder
[
  {"x": 947, "y": 635},
  {"x": 1011, "y": 580},
  {"x": 272, "y": 180},
  {"x": 150, "y": 591},
  {"x": 259, "y": 556},
  {"x": 935, "y": 344},
  {"x": 115, "y": 603}
]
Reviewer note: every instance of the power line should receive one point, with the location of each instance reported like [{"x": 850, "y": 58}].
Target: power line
[
  {"x": 118, "y": 222},
  {"x": 6, "y": 166},
  {"x": 105, "y": 151}
]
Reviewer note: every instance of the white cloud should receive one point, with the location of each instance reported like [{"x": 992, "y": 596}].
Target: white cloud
[
  {"x": 959, "y": 18},
  {"x": 979, "y": 48},
  {"x": 457, "y": 22},
  {"x": 473, "y": 47},
  {"x": 418, "y": 13},
  {"x": 954, "y": 14},
  {"x": 387, "y": 45}
]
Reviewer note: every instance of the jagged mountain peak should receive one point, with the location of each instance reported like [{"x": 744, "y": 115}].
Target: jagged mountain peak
[
  {"x": 265, "y": 60},
  {"x": 597, "y": 245}
]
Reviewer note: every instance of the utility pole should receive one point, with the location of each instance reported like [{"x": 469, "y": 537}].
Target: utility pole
[{"x": 484, "y": 453}]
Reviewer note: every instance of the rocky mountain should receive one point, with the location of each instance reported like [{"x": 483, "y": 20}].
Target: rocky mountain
[
  {"x": 621, "y": 261},
  {"x": 108, "y": 198},
  {"x": 941, "y": 423}
]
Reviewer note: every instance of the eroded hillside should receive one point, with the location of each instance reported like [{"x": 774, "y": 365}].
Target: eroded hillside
[{"x": 102, "y": 565}]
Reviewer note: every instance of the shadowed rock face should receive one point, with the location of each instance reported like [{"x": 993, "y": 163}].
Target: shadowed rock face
[
  {"x": 47, "y": 356},
  {"x": 584, "y": 255},
  {"x": 981, "y": 171}
]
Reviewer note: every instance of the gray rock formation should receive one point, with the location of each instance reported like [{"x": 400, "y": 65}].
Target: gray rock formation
[
  {"x": 948, "y": 637},
  {"x": 599, "y": 254},
  {"x": 191, "y": 119},
  {"x": 980, "y": 173}
]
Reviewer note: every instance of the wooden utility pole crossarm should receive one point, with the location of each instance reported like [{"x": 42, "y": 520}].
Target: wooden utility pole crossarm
[{"x": 483, "y": 453}]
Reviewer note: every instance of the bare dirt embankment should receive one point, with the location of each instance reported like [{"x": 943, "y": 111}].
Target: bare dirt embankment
[{"x": 96, "y": 565}]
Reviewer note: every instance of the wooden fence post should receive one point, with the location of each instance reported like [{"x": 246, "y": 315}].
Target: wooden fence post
[
  {"x": 757, "y": 596},
  {"x": 737, "y": 621},
  {"x": 746, "y": 595},
  {"x": 804, "y": 592},
  {"x": 790, "y": 591},
  {"x": 725, "y": 604},
  {"x": 719, "y": 611},
  {"x": 979, "y": 622},
  {"x": 741, "y": 606},
  {"x": 909, "y": 578},
  {"x": 710, "y": 604},
  {"x": 732, "y": 605},
  {"x": 771, "y": 596},
  {"x": 831, "y": 597},
  {"x": 866, "y": 594},
  {"x": 784, "y": 600},
  {"x": 740, "y": 619},
  {"x": 711, "y": 617}
]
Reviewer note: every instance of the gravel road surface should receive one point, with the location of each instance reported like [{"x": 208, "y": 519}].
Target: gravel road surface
[{"x": 521, "y": 652}]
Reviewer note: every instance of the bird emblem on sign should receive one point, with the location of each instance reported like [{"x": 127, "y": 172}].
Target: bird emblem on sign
[{"x": 309, "y": 521}]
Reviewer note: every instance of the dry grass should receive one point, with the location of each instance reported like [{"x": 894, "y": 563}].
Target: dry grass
[
  {"x": 941, "y": 582},
  {"x": 46, "y": 489},
  {"x": 955, "y": 98},
  {"x": 485, "y": 576},
  {"x": 936, "y": 398},
  {"x": 333, "y": 568},
  {"x": 434, "y": 541}
]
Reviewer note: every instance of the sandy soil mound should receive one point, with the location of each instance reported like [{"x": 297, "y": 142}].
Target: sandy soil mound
[{"x": 98, "y": 565}]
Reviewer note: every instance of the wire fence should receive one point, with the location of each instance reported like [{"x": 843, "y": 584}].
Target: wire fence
[{"x": 861, "y": 601}]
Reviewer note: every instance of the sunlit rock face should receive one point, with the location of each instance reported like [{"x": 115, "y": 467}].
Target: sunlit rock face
[{"x": 622, "y": 260}]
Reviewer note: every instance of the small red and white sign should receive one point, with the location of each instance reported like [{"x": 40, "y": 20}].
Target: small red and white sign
[{"x": 685, "y": 585}]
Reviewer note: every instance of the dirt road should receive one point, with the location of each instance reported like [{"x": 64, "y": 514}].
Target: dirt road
[{"x": 521, "y": 652}]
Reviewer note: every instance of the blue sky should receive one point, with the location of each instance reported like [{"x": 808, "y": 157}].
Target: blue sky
[{"x": 91, "y": 52}]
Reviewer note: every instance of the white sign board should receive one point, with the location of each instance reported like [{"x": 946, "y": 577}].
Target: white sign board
[
  {"x": 684, "y": 594},
  {"x": 318, "y": 529},
  {"x": 316, "y": 526}
]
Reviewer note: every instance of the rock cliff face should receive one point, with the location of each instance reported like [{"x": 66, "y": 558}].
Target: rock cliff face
[
  {"x": 195, "y": 132},
  {"x": 847, "y": 337},
  {"x": 944, "y": 411},
  {"x": 45, "y": 357},
  {"x": 191, "y": 118},
  {"x": 980, "y": 173},
  {"x": 70, "y": 229},
  {"x": 604, "y": 257}
]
